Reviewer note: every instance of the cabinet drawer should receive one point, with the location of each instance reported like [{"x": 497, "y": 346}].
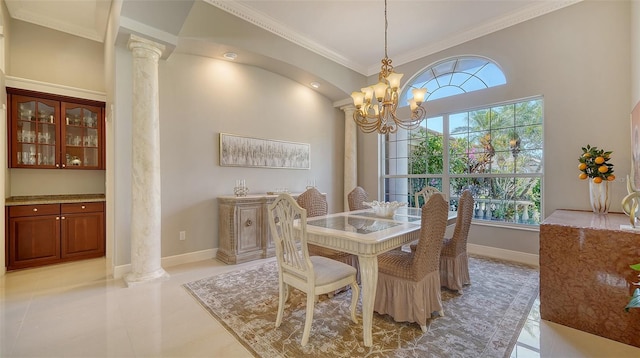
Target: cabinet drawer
[
  {"x": 34, "y": 210},
  {"x": 72, "y": 208}
]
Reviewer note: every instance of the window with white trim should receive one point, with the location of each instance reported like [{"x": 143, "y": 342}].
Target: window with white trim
[{"x": 495, "y": 151}]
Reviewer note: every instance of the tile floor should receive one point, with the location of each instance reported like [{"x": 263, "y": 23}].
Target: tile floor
[{"x": 73, "y": 310}]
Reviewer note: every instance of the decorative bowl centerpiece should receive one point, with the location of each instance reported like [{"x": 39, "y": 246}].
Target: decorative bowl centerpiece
[{"x": 384, "y": 209}]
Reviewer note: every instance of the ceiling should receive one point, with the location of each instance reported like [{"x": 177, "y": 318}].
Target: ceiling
[{"x": 350, "y": 32}]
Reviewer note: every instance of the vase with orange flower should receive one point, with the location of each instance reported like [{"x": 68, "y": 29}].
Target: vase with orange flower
[{"x": 594, "y": 165}]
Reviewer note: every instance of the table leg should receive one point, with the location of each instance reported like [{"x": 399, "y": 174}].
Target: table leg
[{"x": 369, "y": 279}]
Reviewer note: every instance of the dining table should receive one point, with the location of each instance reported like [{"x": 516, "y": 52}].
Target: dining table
[{"x": 366, "y": 235}]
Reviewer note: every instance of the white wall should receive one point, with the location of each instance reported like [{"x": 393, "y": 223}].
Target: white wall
[{"x": 578, "y": 58}]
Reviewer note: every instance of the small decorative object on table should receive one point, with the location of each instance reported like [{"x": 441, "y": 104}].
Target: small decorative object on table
[
  {"x": 240, "y": 189},
  {"x": 594, "y": 164},
  {"x": 384, "y": 209}
]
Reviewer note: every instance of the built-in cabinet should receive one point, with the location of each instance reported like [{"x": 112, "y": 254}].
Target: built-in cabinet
[
  {"x": 243, "y": 228},
  {"x": 43, "y": 234},
  {"x": 48, "y": 131}
]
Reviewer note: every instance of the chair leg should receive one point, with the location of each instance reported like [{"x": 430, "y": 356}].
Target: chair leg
[
  {"x": 282, "y": 298},
  {"x": 440, "y": 313},
  {"x": 424, "y": 329},
  {"x": 308, "y": 319},
  {"x": 355, "y": 294}
]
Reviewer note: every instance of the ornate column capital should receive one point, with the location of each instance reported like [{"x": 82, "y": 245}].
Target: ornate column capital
[{"x": 142, "y": 47}]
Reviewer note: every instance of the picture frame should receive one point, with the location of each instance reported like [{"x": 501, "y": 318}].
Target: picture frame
[{"x": 240, "y": 151}]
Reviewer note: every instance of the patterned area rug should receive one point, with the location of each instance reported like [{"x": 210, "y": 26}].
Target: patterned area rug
[{"x": 483, "y": 322}]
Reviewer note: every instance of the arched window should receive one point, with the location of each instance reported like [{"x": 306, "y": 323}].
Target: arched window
[
  {"x": 455, "y": 76},
  {"x": 495, "y": 150}
]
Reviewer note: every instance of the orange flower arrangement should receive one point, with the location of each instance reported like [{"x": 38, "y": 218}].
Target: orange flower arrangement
[{"x": 594, "y": 163}]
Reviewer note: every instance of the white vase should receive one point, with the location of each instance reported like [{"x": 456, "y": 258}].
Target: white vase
[{"x": 599, "y": 197}]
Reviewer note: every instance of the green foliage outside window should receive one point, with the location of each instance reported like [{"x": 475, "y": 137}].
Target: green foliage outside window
[{"x": 484, "y": 146}]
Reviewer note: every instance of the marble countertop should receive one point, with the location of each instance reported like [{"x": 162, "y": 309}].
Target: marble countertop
[{"x": 53, "y": 199}]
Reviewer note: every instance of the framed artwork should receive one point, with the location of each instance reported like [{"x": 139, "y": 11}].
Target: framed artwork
[
  {"x": 238, "y": 151},
  {"x": 635, "y": 147}
]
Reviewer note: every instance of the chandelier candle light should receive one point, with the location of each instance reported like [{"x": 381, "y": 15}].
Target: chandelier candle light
[
  {"x": 594, "y": 164},
  {"x": 376, "y": 105}
]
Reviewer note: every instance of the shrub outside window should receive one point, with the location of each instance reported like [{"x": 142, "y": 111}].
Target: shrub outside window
[{"x": 496, "y": 152}]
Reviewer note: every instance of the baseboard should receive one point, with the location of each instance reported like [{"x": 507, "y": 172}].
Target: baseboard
[
  {"x": 120, "y": 271},
  {"x": 509, "y": 255}
]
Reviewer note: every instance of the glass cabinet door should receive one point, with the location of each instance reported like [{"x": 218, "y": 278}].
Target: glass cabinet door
[
  {"x": 35, "y": 132},
  {"x": 82, "y": 136}
]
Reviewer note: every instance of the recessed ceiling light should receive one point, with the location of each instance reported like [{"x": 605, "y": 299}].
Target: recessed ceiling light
[
  {"x": 315, "y": 85},
  {"x": 230, "y": 55}
]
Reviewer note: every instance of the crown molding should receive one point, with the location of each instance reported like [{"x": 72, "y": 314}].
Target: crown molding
[
  {"x": 529, "y": 13},
  {"x": 269, "y": 24},
  {"x": 46, "y": 21}
]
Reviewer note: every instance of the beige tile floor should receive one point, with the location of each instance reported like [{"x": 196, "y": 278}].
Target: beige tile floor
[{"x": 73, "y": 310}]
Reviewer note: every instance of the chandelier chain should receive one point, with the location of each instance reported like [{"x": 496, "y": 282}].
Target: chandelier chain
[
  {"x": 386, "y": 26},
  {"x": 376, "y": 105}
]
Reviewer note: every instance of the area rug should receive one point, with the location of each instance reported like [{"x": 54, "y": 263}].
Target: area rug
[{"x": 483, "y": 322}]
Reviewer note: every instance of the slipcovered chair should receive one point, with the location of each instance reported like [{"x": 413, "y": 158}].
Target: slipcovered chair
[
  {"x": 356, "y": 197},
  {"x": 314, "y": 275},
  {"x": 454, "y": 262},
  {"x": 408, "y": 287},
  {"x": 316, "y": 205},
  {"x": 425, "y": 193}
]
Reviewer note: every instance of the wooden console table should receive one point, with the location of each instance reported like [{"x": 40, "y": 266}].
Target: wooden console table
[
  {"x": 243, "y": 228},
  {"x": 585, "y": 279}
]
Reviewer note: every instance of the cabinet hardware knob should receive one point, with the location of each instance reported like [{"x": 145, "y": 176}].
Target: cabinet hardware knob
[
  {"x": 64, "y": 165},
  {"x": 57, "y": 165},
  {"x": 63, "y": 218},
  {"x": 35, "y": 209},
  {"x": 83, "y": 206},
  {"x": 249, "y": 222},
  {"x": 57, "y": 218}
]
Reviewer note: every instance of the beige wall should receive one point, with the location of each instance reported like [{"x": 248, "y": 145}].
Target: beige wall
[
  {"x": 200, "y": 98},
  {"x": 635, "y": 52},
  {"x": 46, "y": 55},
  {"x": 4, "y": 39},
  {"x": 579, "y": 59}
]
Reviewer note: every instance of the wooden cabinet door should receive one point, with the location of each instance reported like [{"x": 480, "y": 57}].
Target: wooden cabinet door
[
  {"x": 53, "y": 131},
  {"x": 249, "y": 228},
  {"x": 33, "y": 241},
  {"x": 33, "y": 132},
  {"x": 82, "y": 233},
  {"x": 82, "y": 137}
]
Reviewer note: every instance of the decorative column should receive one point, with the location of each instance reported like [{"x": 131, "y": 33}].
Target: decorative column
[
  {"x": 145, "y": 167},
  {"x": 350, "y": 152}
]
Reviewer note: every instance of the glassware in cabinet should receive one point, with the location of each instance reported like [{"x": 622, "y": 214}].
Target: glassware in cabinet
[
  {"x": 33, "y": 132},
  {"x": 82, "y": 136}
]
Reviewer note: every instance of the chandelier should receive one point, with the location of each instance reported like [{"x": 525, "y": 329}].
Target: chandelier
[{"x": 376, "y": 105}]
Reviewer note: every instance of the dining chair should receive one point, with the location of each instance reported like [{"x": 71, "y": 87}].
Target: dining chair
[
  {"x": 424, "y": 193},
  {"x": 408, "y": 287},
  {"x": 454, "y": 262},
  {"x": 356, "y": 197},
  {"x": 313, "y": 275},
  {"x": 316, "y": 205}
]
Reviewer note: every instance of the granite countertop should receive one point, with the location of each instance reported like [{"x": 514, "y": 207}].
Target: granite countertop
[{"x": 53, "y": 199}]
